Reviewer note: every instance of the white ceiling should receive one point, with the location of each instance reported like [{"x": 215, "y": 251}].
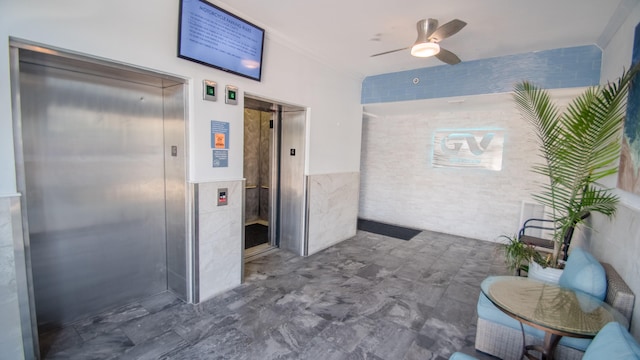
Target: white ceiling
[{"x": 344, "y": 33}]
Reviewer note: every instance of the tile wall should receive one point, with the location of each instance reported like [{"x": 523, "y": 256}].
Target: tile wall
[
  {"x": 219, "y": 238},
  {"x": 399, "y": 183},
  {"x": 10, "y": 329},
  {"x": 552, "y": 69},
  {"x": 333, "y": 209}
]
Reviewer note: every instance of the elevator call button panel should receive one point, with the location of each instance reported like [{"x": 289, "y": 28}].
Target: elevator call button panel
[
  {"x": 231, "y": 95},
  {"x": 222, "y": 196},
  {"x": 209, "y": 90}
]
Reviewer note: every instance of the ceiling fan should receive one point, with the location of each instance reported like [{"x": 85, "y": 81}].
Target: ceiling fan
[{"x": 429, "y": 35}]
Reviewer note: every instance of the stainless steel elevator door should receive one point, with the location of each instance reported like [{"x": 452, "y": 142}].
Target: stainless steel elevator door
[
  {"x": 292, "y": 181},
  {"x": 95, "y": 190}
]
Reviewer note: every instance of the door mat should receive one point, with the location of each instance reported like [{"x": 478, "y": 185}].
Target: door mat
[{"x": 393, "y": 231}]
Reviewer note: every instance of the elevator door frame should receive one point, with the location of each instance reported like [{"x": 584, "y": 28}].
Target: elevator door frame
[
  {"x": 293, "y": 193},
  {"x": 168, "y": 83}
]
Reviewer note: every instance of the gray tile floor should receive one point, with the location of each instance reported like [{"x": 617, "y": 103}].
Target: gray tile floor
[{"x": 369, "y": 297}]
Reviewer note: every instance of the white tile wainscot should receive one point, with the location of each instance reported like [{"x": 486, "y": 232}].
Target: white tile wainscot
[
  {"x": 10, "y": 329},
  {"x": 219, "y": 238},
  {"x": 333, "y": 209}
]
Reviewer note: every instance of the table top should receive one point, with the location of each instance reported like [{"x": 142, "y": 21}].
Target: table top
[{"x": 550, "y": 307}]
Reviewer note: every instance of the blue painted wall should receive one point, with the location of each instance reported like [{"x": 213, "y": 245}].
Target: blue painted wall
[{"x": 551, "y": 69}]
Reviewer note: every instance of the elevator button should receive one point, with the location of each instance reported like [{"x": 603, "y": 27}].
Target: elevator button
[
  {"x": 222, "y": 196},
  {"x": 209, "y": 90}
]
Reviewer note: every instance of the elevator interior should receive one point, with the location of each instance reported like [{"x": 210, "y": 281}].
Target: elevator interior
[
  {"x": 258, "y": 146},
  {"x": 101, "y": 165}
]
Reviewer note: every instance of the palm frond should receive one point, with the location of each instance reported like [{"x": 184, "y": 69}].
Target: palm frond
[{"x": 578, "y": 147}]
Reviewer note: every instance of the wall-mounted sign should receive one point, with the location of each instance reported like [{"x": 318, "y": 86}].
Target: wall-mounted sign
[
  {"x": 468, "y": 148},
  {"x": 219, "y": 135},
  {"x": 220, "y": 158},
  {"x": 220, "y": 143}
]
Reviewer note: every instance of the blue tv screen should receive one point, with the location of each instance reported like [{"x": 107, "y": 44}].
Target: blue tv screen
[{"x": 214, "y": 37}]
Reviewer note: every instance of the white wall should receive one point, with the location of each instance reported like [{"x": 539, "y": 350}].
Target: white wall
[
  {"x": 617, "y": 241},
  {"x": 399, "y": 184}
]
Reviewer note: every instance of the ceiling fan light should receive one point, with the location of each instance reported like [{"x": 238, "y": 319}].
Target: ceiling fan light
[{"x": 425, "y": 49}]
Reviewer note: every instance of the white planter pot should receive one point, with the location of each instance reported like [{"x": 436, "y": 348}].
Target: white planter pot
[{"x": 537, "y": 272}]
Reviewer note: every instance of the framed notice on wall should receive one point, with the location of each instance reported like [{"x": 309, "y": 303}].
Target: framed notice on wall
[
  {"x": 468, "y": 148},
  {"x": 220, "y": 143}
]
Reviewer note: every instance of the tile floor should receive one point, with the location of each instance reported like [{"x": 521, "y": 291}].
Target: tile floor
[{"x": 369, "y": 297}]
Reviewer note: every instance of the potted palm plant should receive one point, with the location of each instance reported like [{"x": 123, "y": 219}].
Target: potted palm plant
[{"x": 579, "y": 147}]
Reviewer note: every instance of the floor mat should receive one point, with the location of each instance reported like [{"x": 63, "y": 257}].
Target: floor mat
[
  {"x": 394, "y": 231},
  {"x": 254, "y": 235}
]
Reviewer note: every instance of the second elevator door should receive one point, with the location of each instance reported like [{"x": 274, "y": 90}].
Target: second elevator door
[{"x": 95, "y": 190}]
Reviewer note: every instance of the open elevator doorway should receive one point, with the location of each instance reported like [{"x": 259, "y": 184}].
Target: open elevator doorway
[
  {"x": 274, "y": 209},
  {"x": 259, "y": 143}
]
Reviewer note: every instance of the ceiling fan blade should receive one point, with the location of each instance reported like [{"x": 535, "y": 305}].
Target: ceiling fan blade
[
  {"x": 447, "y": 56},
  {"x": 389, "y": 52},
  {"x": 447, "y": 30}
]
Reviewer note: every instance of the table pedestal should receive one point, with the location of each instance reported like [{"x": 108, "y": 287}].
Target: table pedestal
[{"x": 546, "y": 350}]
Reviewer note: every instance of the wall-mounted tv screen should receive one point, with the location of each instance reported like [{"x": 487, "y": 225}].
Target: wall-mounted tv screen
[{"x": 212, "y": 36}]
